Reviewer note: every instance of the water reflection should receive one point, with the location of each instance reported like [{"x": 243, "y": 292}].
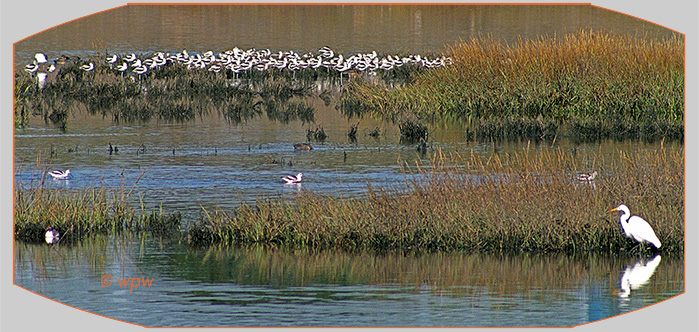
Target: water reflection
[
  {"x": 637, "y": 275},
  {"x": 263, "y": 286}
]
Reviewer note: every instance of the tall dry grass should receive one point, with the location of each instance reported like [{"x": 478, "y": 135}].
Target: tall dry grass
[
  {"x": 514, "y": 202},
  {"x": 588, "y": 83}
]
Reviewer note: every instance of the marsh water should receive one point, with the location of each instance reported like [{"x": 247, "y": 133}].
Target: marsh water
[
  {"x": 210, "y": 162},
  {"x": 229, "y": 286}
]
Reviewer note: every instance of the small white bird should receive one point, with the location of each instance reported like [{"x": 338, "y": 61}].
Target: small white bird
[
  {"x": 587, "y": 177},
  {"x": 51, "y": 236},
  {"x": 122, "y": 67},
  {"x": 140, "y": 70},
  {"x": 130, "y": 57},
  {"x": 293, "y": 179},
  {"x": 88, "y": 67},
  {"x": 635, "y": 227},
  {"x": 31, "y": 68},
  {"x": 40, "y": 58},
  {"x": 58, "y": 174},
  {"x": 112, "y": 59}
]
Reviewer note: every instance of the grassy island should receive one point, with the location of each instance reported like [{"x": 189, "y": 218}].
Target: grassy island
[{"x": 585, "y": 86}]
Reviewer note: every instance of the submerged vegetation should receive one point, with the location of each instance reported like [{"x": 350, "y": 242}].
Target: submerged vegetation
[
  {"x": 585, "y": 86},
  {"x": 515, "y": 202}
]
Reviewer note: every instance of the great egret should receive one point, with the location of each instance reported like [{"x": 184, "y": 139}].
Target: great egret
[
  {"x": 293, "y": 179},
  {"x": 635, "y": 227}
]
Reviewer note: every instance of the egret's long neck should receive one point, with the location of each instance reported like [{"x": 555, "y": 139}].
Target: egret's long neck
[{"x": 624, "y": 219}]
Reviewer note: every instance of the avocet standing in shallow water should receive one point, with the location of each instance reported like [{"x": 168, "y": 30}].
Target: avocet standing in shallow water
[
  {"x": 587, "y": 177},
  {"x": 293, "y": 179},
  {"x": 58, "y": 174}
]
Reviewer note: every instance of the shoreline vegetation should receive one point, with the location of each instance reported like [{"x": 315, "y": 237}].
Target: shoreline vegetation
[
  {"x": 514, "y": 202},
  {"x": 586, "y": 86}
]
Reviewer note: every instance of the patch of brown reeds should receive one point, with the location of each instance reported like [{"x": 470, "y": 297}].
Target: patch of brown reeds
[
  {"x": 514, "y": 202},
  {"x": 612, "y": 83}
]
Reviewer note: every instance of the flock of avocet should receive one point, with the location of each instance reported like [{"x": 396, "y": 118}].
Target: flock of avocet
[{"x": 238, "y": 61}]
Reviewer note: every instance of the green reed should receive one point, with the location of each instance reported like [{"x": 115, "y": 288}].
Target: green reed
[
  {"x": 587, "y": 85},
  {"x": 522, "y": 201}
]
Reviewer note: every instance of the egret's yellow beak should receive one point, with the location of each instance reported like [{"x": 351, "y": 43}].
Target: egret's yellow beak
[{"x": 614, "y": 209}]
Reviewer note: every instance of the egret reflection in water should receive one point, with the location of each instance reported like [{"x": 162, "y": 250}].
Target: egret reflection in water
[{"x": 637, "y": 275}]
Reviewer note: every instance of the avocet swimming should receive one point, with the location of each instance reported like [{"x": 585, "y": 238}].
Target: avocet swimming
[
  {"x": 58, "y": 174},
  {"x": 293, "y": 179}
]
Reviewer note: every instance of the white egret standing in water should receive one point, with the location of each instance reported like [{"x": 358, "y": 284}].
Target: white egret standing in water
[{"x": 635, "y": 227}]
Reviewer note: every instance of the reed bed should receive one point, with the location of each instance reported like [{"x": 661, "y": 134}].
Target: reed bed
[
  {"x": 587, "y": 85},
  {"x": 172, "y": 93},
  {"x": 519, "y": 202},
  {"x": 77, "y": 214}
]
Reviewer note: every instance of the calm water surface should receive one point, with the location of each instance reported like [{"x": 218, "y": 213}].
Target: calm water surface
[
  {"x": 229, "y": 286},
  {"x": 210, "y": 162},
  {"x": 346, "y": 28}
]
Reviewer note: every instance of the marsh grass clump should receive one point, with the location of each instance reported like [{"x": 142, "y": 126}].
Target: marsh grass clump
[
  {"x": 580, "y": 79},
  {"x": 316, "y": 134},
  {"x": 517, "y": 202},
  {"x": 412, "y": 131},
  {"x": 514, "y": 128},
  {"x": 77, "y": 214}
]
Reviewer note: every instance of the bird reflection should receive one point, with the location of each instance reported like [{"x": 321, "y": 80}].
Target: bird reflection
[{"x": 637, "y": 275}]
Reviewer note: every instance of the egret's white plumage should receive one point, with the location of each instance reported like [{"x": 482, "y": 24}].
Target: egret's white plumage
[
  {"x": 635, "y": 227},
  {"x": 293, "y": 179},
  {"x": 58, "y": 174}
]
